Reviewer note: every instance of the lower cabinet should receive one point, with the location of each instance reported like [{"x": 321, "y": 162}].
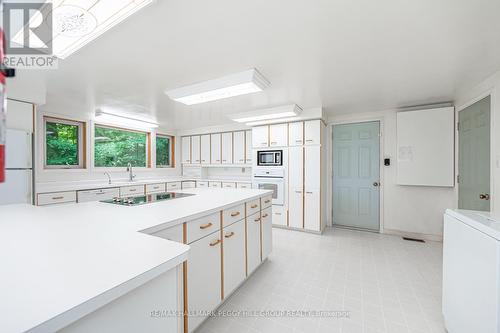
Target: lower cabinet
[
  {"x": 312, "y": 210},
  {"x": 296, "y": 208},
  {"x": 203, "y": 278},
  {"x": 233, "y": 256},
  {"x": 253, "y": 242},
  {"x": 266, "y": 225}
]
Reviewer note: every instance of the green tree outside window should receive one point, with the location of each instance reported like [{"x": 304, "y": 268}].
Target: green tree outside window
[
  {"x": 162, "y": 151},
  {"x": 116, "y": 147},
  {"x": 61, "y": 142}
]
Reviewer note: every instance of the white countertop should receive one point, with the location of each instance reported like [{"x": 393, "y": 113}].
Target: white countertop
[
  {"x": 47, "y": 187},
  {"x": 61, "y": 262},
  {"x": 482, "y": 221}
]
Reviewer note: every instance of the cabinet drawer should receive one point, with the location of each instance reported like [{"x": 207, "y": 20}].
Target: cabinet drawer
[
  {"x": 56, "y": 198},
  {"x": 174, "y": 186},
  {"x": 188, "y": 184},
  {"x": 253, "y": 207},
  {"x": 202, "y": 227},
  {"x": 215, "y": 184},
  {"x": 243, "y": 185},
  {"x": 172, "y": 233},
  {"x": 131, "y": 190},
  {"x": 201, "y": 184},
  {"x": 233, "y": 214},
  {"x": 267, "y": 201},
  {"x": 154, "y": 188},
  {"x": 98, "y": 195},
  {"x": 228, "y": 185}
]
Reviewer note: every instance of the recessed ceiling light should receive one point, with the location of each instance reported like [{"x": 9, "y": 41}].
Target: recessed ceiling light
[
  {"x": 280, "y": 112},
  {"x": 242, "y": 83}
]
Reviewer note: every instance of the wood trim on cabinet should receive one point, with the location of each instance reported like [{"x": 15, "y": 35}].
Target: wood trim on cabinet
[
  {"x": 184, "y": 281},
  {"x": 246, "y": 242},
  {"x": 260, "y": 233},
  {"x": 221, "y": 256}
]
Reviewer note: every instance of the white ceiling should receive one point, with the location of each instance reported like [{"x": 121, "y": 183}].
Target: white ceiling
[{"x": 344, "y": 55}]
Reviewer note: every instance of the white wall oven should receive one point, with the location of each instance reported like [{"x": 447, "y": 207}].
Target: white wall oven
[{"x": 271, "y": 179}]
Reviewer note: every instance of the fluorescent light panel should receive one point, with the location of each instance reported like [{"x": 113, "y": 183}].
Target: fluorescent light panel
[
  {"x": 242, "y": 83},
  {"x": 279, "y": 112},
  {"x": 114, "y": 119},
  {"x": 274, "y": 121}
]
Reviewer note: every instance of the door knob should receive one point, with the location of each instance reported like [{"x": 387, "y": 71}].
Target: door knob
[
  {"x": 484, "y": 196},
  {"x": 376, "y": 184}
]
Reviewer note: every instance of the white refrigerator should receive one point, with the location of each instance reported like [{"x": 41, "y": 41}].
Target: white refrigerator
[{"x": 18, "y": 184}]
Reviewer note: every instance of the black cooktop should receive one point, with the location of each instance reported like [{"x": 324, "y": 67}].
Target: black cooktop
[{"x": 145, "y": 199}]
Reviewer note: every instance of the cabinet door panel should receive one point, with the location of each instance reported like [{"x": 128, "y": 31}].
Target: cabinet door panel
[
  {"x": 296, "y": 206},
  {"x": 296, "y": 134},
  {"x": 203, "y": 277},
  {"x": 253, "y": 242},
  {"x": 267, "y": 231},
  {"x": 312, "y": 167},
  {"x": 248, "y": 147},
  {"x": 312, "y": 130},
  {"x": 227, "y": 148},
  {"x": 205, "y": 149},
  {"x": 195, "y": 149},
  {"x": 312, "y": 219},
  {"x": 239, "y": 147},
  {"x": 186, "y": 149},
  {"x": 278, "y": 135},
  {"x": 216, "y": 148},
  {"x": 296, "y": 167},
  {"x": 234, "y": 256},
  {"x": 260, "y": 136}
]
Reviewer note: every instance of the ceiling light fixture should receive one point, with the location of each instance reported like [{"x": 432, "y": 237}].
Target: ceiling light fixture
[
  {"x": 242, "y": 83},
  {"x": 115, "y": 119},
  {"x": 269, "y": 114}
]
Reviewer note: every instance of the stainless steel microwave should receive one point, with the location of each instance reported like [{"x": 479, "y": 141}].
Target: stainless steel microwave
[{"x": 270, "y": 157}]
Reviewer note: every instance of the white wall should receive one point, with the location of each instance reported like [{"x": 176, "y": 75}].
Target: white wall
[
  {"x": 28, "y": 86},
  {"x": 20, "y": 115},
  {"x": 409, "y": 210},
  {"x": 468, "y": 96}
]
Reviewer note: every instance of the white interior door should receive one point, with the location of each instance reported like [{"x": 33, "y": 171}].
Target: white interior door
[
  {"x": 474, "y": 156},
  {"x": 356, "y": 172}
]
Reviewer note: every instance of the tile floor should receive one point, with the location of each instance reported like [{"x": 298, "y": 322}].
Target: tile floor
[{"x": 385, "y": 283}]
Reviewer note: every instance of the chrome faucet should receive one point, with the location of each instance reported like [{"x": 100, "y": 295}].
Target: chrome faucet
[
  {"x": 109, "y": 177},
  {"x": 131, "y": 175}
]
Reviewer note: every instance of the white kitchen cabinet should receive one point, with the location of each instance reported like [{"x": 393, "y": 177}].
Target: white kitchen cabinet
[
  {"x": 239, "y": 147},
  {"x": 186, "y": 149},
  {"x": 56, "y": 198},
  {"x": 201, "y": 184},
  {"x": 243, "y": 185},
  {"x": 253, "y": 242},
  {"x": 248, "y": 147},
  {"x": 205, "y": 149},
  {"x": 234, "y": 256},
  {"x": 131, "y": 190},
  {"x": 233, "y": 214},
  {"x": 312, "y": 168},
  {"x": 215, "y": 184},
  {"x": 296, "y": 134},
  {"x": 260, "y": 136},
  {"x": 227, "y": 148},
  {"x": 195, "y": 149},
  {"x": 97, "y": 195},
  {"x": 215, "y": 144},
  {"x": 228, "y": 185},
  {"x": 155, "y": 188},
  {"x": 174, "y": 186},
  {"x": 279, "y": 216},
  {"x": 296, "y": 167},
  {"x": 278, "y": 135},
  {"x": 188, "y": 184},
  {"x": 202, "y": 227},
  {"x": 312, "y": 210},
  {"x": 267, "y": 232},
  {"x": 296, "y": 208},
  {"x": 312, "y": 132},
  {"x": 203, "y": 278}
]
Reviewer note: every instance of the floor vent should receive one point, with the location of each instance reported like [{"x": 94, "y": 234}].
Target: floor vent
[{"x": 414, "y": 239}]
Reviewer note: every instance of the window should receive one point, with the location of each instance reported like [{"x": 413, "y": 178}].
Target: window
[
  {"x": 116, "y": 147},
  {"x": 164, "y": 154},
  {"x": 64, "y": 143}
]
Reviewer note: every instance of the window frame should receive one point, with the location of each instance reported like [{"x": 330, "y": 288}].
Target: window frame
[
  {"x": 171, "y": 150},
  {"x": 148, "y": 147},
  {"x": 81, "y": 143}
]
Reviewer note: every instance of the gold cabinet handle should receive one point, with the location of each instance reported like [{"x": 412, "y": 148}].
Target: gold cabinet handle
[
  {"x": 57, "y": 198},
  {"x": 204, "y": 226},
  {"x": 235, "y": 214},
  {"x": 253, "y": 206},
  {"x": 265, "y": 215},
  {"x": 267, "y": 201},
  {"x": 215, "y": 242},
  {"x": 229, "y": 235},
  {"x": 257, "y": 219}
]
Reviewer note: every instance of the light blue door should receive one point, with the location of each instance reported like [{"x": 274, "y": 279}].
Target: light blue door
[{"x": 356, "y": 175}]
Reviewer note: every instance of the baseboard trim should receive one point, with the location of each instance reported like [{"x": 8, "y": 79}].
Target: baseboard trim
[
  {"x": 279, "y": 226},
  {"x": 434, "y": 238}
]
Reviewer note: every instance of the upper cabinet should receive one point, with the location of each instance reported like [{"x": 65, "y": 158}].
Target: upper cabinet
[
  {"x": 239, "y": 147},
  {"x": 205, "y": 149},
  {"x": 227, "y": 148},
  {"x": 248, "y": 147},
  {"x": 312, "y": 132},
  {"x": 296, "y": 134},
  {"x": 278, "y": 135},
  {"x": 195, "y": 149},
  {"x": 260, "y": 136},
  {"x": 186, "y": 149},
  {"x": 215, "y": 148}
]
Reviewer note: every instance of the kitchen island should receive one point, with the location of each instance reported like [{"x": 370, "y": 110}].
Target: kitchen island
[{"x": 104, "y": 267}]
